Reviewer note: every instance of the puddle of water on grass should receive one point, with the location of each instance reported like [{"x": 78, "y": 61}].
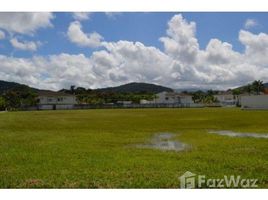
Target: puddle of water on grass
[
  {"x": 165, "y": 142},
  {"x": 238, "y": 134}
]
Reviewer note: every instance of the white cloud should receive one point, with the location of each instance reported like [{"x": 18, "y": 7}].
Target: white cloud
[
  {"x": 125, "y": 61},
  {"x": 256, "y": 47},
  {"x": 180, "y": 42},
  {"x": 80, "y": 16},
  {"x": 250, "y": 23},
  {"x": 182, "y": 64},
  {"x": 25, "y": 45},
  {"x": 217, "y": 65},
  {"x": 52, "y": 72},
  {"x": 77, "y": 36},
  {"x": 218, "y": 52},
  {"x": 2, "y": 35},
  {"x": 20, "y": 70},
  {"x": 25, "y": 22}
]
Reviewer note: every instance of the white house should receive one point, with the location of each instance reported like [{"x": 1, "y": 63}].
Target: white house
[
  {"x": 254, "y": 102},
  {"x": 124, "y": 102},
  {"x": 49, "y": 100},
  {"x": 226, "y": 99},
  {"x": 144, "y": 101},
  {"x": 173, "y": 98}
]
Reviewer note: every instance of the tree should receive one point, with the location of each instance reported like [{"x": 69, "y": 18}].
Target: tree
[
  {"x": 248, "y": 89},
  {"x": 236, "y": 91},
  {"x": 258, "y": 86},
  {"x": 2, "y": 103},
  {"x": 198, "y": 96},
  {"x": 72, "y": 89},
  {"x": 20, "y": 95},
  {"x": 12, "y": 100}
]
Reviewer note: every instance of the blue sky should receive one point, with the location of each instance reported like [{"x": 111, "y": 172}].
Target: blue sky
[{"x": 145, "y": 28}]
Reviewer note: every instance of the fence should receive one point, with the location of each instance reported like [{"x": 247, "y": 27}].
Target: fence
[
  {"x": 139, "y": 106},
  {"x": 110, "y": 106}
]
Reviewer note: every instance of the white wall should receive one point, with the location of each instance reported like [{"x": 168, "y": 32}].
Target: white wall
[
  {"x": 225, "y": 98},
  {"x": 187, "y": 99},
  {"x": 46, "y": 100},
  {"x": 164, "y": 97},
  {"x": 255, "y": 101},
  {"x": 144, "y": 101}
]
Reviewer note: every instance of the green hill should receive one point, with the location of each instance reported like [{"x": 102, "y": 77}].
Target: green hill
[
  {"x": 136, "y": 88},
  {"x": 5, "y": 86}
]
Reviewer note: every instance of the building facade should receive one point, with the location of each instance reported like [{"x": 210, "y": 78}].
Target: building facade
[
  {"x": 173, "y": 98},
  {"x": 48, "y": 100},
  {"x": 226, "y": 99}
]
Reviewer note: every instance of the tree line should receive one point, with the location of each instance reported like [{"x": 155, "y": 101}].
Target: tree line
[
  {"x": 256, "y": 87},
  {"x": 23, "y": 95},
  {"x": 89, "y": 96},
  {"x": 18, "y": 97}
]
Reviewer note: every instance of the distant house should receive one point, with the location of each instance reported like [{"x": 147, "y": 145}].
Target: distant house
[
  {"x": 124, "y": 102},
  {"x": 226, "y": 98},
  {"x": 254, "y": 102},
  {"x": 49, "y": 100},
  {"x": 173, "y": 98},
  {"x": 144, "y": 101}
]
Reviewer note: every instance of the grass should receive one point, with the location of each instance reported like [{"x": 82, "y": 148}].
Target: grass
[{"x": 96, "y": 148}]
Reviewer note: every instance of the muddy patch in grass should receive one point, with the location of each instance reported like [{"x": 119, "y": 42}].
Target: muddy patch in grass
[
  {"x": 164, "y": 142},
  {"x": 239, "y": 134},
  {"x": 32, "y": 183}
]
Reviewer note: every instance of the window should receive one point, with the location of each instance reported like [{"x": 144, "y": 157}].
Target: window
[
  {"x": 60, "y": 99},
  {"x": 166, "y": 98}
]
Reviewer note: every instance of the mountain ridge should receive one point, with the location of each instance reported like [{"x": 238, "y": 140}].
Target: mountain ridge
[
  {"x": 136, "y": 87},
  {"x": 133, "y": 87}
]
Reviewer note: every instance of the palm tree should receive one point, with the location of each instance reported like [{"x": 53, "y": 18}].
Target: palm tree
[
  {"x": 72, "y": 89},
  {"x": 258, "y": 86}
]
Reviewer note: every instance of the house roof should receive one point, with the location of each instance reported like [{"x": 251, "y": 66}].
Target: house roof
[{"x": 52, "y": 93}]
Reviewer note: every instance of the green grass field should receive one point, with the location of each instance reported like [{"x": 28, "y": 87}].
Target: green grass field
[{"x": 97, "y": 148}]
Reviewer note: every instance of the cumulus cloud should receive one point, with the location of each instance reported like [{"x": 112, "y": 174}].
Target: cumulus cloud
[
  {"x": 20, "y": 70},
  {"x": 256, "y": 47},
  {"x": 131, "y": 61},
  {"x": 77, "y": 36},
  {"x": 80, "y": 16},
  {"x": 25, "y": 45},
  {"x": 25, "y": 22},
  {"x": 219, "y": 53},
  {"x": 218, "y": 64},
  {"x": 249, "y": 23},
  {"x": 182, "y": 64},
  {"x": 2, "y": 35},
  {"x": 180, "y": 42},
  {"x": 52, "y": 72}
]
